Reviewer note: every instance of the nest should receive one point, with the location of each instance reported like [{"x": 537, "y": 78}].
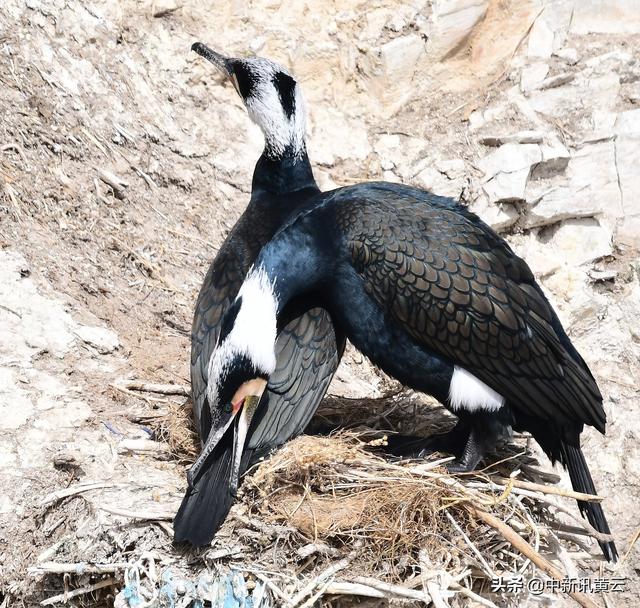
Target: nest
[{"x": 332, "y": 517}]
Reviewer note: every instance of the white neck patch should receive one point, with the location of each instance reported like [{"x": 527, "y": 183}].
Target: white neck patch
[
  {"x": 471, "y": 394},
  {"x": 253, "y": 334},
  {"x": 265, "y": 109}
]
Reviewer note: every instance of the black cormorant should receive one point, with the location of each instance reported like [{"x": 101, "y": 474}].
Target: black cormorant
[
  {"x": 435, "y": 298},
  {"x": 307, "y": 348}
]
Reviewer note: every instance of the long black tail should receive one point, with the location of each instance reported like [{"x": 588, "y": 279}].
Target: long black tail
[
  {"x": 205, "y": 505},
  {"x": 572, "y": 458}
]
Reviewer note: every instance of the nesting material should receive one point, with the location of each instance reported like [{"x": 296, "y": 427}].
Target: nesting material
[{"x": 327, "y": 518}]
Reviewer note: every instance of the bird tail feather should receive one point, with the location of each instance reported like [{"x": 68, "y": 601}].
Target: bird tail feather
[{"x": 573, "y": 459}]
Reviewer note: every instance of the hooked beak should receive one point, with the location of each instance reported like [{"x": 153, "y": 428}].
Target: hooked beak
[
  {"x": 220, "y": 61},
  {"x": 244, "y": 402}
]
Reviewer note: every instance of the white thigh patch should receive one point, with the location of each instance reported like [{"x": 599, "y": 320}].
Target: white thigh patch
[{"x": 471, "y": 394}]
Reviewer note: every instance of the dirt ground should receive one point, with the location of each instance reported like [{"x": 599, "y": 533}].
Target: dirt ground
[{"x": 123, "y": 164}]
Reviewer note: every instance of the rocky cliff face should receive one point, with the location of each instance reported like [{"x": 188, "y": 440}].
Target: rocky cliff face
[{"x": 124, "y": 161}]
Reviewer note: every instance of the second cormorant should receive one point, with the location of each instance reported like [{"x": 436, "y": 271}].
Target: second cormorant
[{"x": 308, "y": 349}]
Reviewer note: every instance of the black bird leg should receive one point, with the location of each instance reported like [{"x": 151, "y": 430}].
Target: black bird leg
[
  {"x": 410, "y": 446},
  {"x": 487, "y": 429},
  {"x": 473, "y": 453}
]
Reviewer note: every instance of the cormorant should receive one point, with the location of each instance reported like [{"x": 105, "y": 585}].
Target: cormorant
[
  {"x": 434, "y": 297},
  {"x": 307, "y": 349}
]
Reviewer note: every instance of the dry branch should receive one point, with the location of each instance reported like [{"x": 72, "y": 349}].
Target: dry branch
[
  {"x": 526, "y": 549},
  {"x": 67, "y": 595},
  {"x": 152, "y": 387}
]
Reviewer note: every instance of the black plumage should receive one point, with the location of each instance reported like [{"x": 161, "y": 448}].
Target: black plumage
[{"x": 424, "y": 288}]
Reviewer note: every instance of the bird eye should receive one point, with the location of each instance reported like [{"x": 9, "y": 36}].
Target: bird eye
[{"x": 228, "y": 407}]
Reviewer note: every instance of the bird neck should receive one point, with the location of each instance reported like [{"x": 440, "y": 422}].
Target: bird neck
[{"x": 288, "y": 172}]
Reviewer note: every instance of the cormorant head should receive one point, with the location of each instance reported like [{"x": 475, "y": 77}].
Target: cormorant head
[
  {"x": 241, "y": 364},
  {"x": 272, "y": 97}
]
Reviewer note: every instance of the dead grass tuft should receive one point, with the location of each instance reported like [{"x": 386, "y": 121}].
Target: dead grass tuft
[{"x": 334, "y": 490}]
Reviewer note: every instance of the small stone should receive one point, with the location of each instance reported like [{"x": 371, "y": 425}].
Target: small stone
[
  {"x": 499, "y": 216},
  {"x": 532, "y": 76},
  {"x": 101, "y": 338},
  {"x": 453, "y": 168},
  {"x": 555, "y": 158},
  {"x": 568, "y": 54},
  {"x": 540, "y": 39},
  {"x": 507, "y": 171},
  {"x": 555, "y": 81}
]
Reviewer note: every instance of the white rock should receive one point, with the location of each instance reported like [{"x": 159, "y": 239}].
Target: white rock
[
  {"x": 568, "y": 54},
  {"x": 614, "y": 58},
  {"x": 509, "y": 158},
  {"x": 103, "y": 339},
  {"x": 453, "y": 168},
  {"x": 498, "y": 215},
  {"x": 388, "y": 71},
  {"x": 610, "y": 17},
  {"x": 69, "y": 414},
  {"x": 507, "y": 171},
  {"x": 628, "y": 232},
  {"x": 533, "y": 75},
  {"x": 603, "y": 122},
  {"x": 578, "y": 241},
  {"x": 627, "y": 148},
  {"x": 602, "y": 92},
  {"x": 535, "y": 253},
  {"x": 15, "y": 406},
  {"x": 590, "y": 188},
  {"x": 40, "y": 323},
  {"x": 627, "y": 123},
  {"x": 337, "y": 137},
  {"x": 453, "y": 21},
  {"x": 434, "y": 181},
  {"x": 555, "y": 158},
  {"x": 540, "y": 39}
]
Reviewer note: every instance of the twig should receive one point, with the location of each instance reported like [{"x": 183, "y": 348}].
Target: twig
[
  {"x": 143, "y": 446},
  {"x": 152, "y": 387},
  {"x": 274, "y": 588},
  {"x": 583, "y": 524},
  {"x": 344, "y": 588},
  {"x": 78, "y": 568},
  {"x": 471, "y": 595},
  {"x": 528, "y": 551},
  {"x": 483, "y": 561},
  {"x": 268, "y": 529},
  {"x": 117, "y": 183},
  {"x": 394, "y": 590},
  {"x": 147, "y": 515},
  {"x": 67, "y": 595},
  {"x": 49, "y": 499},
  {"x": 433, "y": 581},
  {"x": 313, "y": 548},
  {"x": 634, "y": 540},
  {"x": 537, "y": 487},
  {"x": 321, "y": 578},
  {"x": 146, "y": 398}
]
